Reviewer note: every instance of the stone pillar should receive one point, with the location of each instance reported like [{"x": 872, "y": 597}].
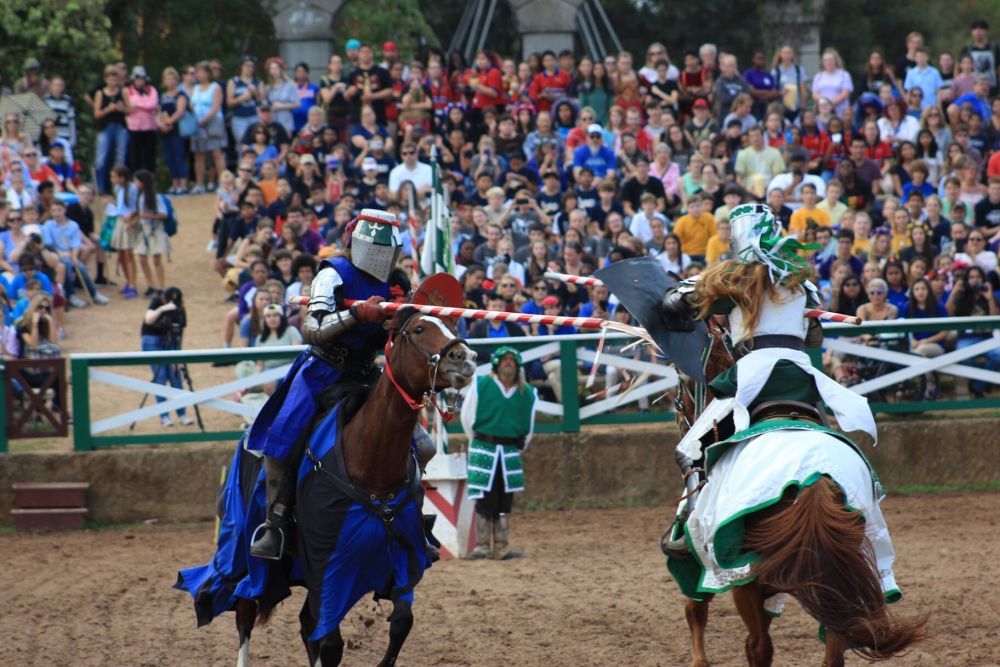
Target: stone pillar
[
  {"x": 546, "y": 24},
  {"x": 790, "y": 23},
  {"x": 304, "y": 29}
]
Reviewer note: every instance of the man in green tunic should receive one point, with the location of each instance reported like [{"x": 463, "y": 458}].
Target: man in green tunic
[{"x": 498, "y": 417}]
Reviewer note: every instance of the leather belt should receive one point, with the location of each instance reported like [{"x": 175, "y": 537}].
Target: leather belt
[
  {"x": 516, "y": 442},
  {"x": 744, "y": 348},
  {"x": 343, "y": 358}
]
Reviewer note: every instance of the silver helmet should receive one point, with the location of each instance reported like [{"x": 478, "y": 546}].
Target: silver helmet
[{"x": 375, "y": 243}]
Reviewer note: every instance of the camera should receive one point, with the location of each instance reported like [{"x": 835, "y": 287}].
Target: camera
[
  {"x": 36, "y": 238},
  {"x": 522, "y": 201}
]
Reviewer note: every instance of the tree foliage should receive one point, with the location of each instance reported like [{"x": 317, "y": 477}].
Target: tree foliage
[
  {"x": 161, "y": 33},
  {"x": 72, "y": 39},
  {"x": 379, "y": 21}
]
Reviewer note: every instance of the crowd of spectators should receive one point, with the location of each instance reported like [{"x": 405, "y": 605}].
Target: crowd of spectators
[{"x": 556, "y": 162}]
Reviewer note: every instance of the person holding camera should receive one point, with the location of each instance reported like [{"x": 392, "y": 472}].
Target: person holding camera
[
  {"x": 162, "y": 328},
  {"x": 35, "y": 330},
  {"x": 973, "y": 297}
]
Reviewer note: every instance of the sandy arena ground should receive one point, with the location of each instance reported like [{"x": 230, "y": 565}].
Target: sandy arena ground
[{"x": 591, "y": 591}]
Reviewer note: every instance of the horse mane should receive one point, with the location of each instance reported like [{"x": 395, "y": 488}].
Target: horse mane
[{"x": 816, "y": 550}]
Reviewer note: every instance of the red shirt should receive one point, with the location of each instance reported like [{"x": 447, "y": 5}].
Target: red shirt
[
  {"x": 993, "y": 166},
  {"x": 441, "y": 94},
  {"x": 556, "y": 84},
  {"x": 490, "y": 78},
  {"x": 577, "y": 137},
  {"x": 816, "y": 144},
  {"x": 879, "y": 152},
  {"x": 44, "y": 173}
]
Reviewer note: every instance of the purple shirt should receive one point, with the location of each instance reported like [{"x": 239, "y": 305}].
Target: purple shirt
[{"x": 760, "y": 79}]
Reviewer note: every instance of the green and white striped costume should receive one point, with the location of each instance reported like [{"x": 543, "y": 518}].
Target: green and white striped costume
[{"x": 491, "y": 409}]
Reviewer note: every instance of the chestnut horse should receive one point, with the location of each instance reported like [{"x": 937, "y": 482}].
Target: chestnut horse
[
  {"x": 810, "y": 547},
  {"x": 423, "y": 356}
]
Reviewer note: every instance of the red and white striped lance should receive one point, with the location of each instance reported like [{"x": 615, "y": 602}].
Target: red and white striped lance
[
  {"x": 556, "y": 320},
  {"x": 471, "y": 313},
  {"x": 826, "y": 315},
  {"x": 814, "y": 313},
  {"x": 576, "y": 280}
]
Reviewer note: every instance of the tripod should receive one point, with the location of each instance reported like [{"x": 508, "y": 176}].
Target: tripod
[{"x": 174, "y": 343}]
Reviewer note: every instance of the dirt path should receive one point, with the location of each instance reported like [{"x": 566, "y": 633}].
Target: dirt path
[{"x": 592, "y": 591}]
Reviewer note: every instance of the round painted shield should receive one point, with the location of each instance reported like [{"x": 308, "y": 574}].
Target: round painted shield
[{"x": 440, "y": 289}]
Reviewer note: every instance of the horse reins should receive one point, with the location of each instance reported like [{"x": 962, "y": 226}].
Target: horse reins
[{"x": 433, "y": 368}]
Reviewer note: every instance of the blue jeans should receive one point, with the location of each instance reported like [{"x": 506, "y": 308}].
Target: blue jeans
[
  {"x": 71, "y": 277},
  {"x": 112, "y": 147},
  {"x": 164, "y": 373},
  {"x": 989, "y": 360},
  {"x": 174, "y": 154}
]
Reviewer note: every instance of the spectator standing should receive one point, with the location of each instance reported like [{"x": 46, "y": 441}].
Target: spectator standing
[
  {"x": 550, "y": 84},
  {"x": 925, "y": 78},
  {"x": 308, "y": 95},
  {"x": 125, "y": 235},
  {"x": 833, "y": 82},
  {"x": 985, "y": 54},
  {"x": 498, "y": 417},
  {"x": 162, "y": 328},
  {"x": 728, "y": 86},
  {"x": 282, "y": 94},
  {"x": 332, "y": 87},
  {"x": 174, "y": 103},
  {"x": 32, "y": 81},
  {"x": 62, "y": 104},
  {"x": 112, "y": 134},
  {"x": 763, "y": 84},
  {"x": 143, "y": 104},
  {"x": 369, "y": 85},
  {"x": 206, "y": 101},
  {"x": 244, "y": 93},
  {"x": 791, "y": 81},
  {"x": 152, "y": 238}
]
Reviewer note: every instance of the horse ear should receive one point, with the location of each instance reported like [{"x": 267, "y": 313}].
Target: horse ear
[{"x": 401, "y": 317}]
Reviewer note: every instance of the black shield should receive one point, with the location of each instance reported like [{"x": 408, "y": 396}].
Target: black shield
[{"x": 640, "y": 284}]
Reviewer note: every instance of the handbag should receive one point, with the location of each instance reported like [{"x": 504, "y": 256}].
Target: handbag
[
  {"x": 188, "y": 125},
  {"x": 107, "y": 233}
]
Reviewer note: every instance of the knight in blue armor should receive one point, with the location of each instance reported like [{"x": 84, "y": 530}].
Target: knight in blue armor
[{"x": 343, "y": 342}]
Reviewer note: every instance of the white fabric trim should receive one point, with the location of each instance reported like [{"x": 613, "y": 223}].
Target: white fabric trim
[
  {"x": 756, "y": 471},
  {"x": 753, "y": 370}
]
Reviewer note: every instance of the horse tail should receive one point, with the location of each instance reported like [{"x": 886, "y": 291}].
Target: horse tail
[{"x": 817, "y": 551}]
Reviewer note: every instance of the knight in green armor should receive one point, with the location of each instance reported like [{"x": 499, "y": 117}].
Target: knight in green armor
[
  {"x": 764, "y": 290},
  {"x": 498, "y": 417}
]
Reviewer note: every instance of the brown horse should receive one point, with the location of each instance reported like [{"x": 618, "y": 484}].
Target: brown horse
[
  {"x": 423, "y": 356},
  {"x": 811, "y": 547}
]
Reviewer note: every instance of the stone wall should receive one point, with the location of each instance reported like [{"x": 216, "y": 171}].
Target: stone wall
[{"x": 179, "y": 482}]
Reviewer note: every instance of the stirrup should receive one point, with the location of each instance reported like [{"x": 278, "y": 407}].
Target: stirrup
[
  {"x": 267, "y": 556},
  {"x": 676, "y": 548}
]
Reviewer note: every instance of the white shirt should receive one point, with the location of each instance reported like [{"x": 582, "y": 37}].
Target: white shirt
[
  {"x": 986, "y": 260},
  {"x": 640, "y": 226},
  {"x": 421, "y": 176},
  {"x": 782, "y": 181},
  {"x": 907, "y": 130}
]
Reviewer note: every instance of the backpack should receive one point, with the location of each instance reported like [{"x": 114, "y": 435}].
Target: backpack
[{"x": 170, "y": 223}]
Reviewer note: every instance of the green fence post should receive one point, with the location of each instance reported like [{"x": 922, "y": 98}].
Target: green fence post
[
  {"x": 570, "y": 387},
  {"x": 80, "y": 381},
  {"x": 3, "y": 408}
]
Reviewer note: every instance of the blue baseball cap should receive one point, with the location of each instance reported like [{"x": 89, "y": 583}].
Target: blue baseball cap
[{"x": 352, "y": 44}]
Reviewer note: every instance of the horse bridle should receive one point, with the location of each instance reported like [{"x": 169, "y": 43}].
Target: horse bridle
[{"x": 433, "y": 368}]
